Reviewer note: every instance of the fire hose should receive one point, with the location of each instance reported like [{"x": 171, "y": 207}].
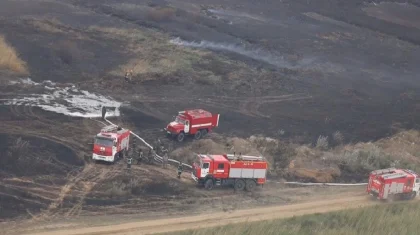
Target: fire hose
[
  {"x": 160, "y": 159},
  {"x": 156, "y": 157}
]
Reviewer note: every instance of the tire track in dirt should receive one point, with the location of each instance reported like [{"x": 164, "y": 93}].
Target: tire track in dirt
[
  {"x": 62, "y": 194},
  {"x": 52, "y": 129},
  {"x": 214, "y": 219},
  {"x": 68, "y": 135},
  {"x": 88, "y": 183},
  {"x": 37, "y": 192},
  {"x": 87, "y": 179},
  {"x": 252, "y": 105}
]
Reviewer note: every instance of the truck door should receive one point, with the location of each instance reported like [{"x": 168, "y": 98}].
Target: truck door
[
  {"x": 115, "y": 148},
  {"x": 221, "y": 170},
  {"x": 416, "y": 187},
  {"x": 205, "y": 169},
  {"x": 187, "y": 126}
]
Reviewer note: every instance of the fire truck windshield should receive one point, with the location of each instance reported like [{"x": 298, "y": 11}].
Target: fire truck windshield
[
  {"x": 103, "y": 141},
  {"x": 180, "y": 120}
]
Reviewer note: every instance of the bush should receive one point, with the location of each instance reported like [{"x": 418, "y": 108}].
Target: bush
[
  {"x": 322, "y": 142},
  {"x": 123, "y": 186},
  {"x": 338, "y": 138},
  {"x": 280, "y": 153},
  {"x": 362, "y": 159}
]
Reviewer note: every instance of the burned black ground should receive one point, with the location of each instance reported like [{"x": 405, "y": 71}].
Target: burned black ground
[
  {"x": 321, "y": 67},
  {"x": 356, "y": 68}
]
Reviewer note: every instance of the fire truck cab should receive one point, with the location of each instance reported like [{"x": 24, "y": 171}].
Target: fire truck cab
[
  {"x": 196, "y": 122},
  {"x": 110, "y": 143},
  {"x": 392, "y": 183},
  {"x": 243, "y": 172}
]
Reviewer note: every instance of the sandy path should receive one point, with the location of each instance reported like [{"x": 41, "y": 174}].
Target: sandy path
[{"x": 221, "y": 218}]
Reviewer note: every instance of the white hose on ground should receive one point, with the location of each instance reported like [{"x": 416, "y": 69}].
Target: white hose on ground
[
  {"x": 97, "y": 121},
  {"x": 327, "y": 184}
]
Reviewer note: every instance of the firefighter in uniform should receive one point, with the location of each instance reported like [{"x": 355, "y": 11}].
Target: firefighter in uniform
[
  {"x": 129, "y": 161},
  {"x": 103, "y": 112},
  {"x": 151, "y": 155},
  {"x": 158, "y": 147},
  {"x": 128, "y": 75},
  {"x": 133, "y": 149},
  {"x": 140, "y": 158},
  {"x": 179, "y": 170},
  {"x": 165, "y": 159}
]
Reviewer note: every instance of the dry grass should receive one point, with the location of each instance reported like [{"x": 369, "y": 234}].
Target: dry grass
[
  {"x": 150, "y": 53},
  {"x": 322, "y": 142},
  {"x": 128, "y": 34},
  {"x": 9, "y": 58},
  {"x": 316, "y": 164},
  {"x": 51, "y": 25},
  {"x": 123, "y": 187},
  {"x": 54, "y": 26},
  {"x": 392, "y": 219},
  {"x": 161, "y": 14},
  {"x": 400, "y": 150}
]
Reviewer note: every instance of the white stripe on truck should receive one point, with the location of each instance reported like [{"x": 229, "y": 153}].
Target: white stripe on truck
[{"x": 201, "y": 125}]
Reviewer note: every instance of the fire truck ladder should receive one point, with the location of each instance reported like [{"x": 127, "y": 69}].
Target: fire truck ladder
[
  {"x": 394, "y": 175},
  {"x": 109, "y": 128},
  {"x": 384, "y": 171},
  {"x": 244, "y": 157}
]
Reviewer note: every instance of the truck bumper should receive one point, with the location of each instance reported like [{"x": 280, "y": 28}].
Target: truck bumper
[
  {"x": 102, "y": 158},
  {"x": 168, "y": 133},
  {"x": 374, "y": 194},
  {"x": 194, "y": 178}
]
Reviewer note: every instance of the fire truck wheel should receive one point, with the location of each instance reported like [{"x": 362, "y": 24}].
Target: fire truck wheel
[
  {"x": 208, "y": 184},
  {"x": 239, "y": 185},
  {"x": 250, "y": 185},
  {"x": 180, "y": 137},
  {"x": 197, "y": 135},
  {"x": 203, "y": 132}
]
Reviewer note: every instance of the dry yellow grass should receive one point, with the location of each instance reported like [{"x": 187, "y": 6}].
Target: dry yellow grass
[
  {"x": 54, "y": 26},
  {"x": 9, "y": 59},
  {"x": 150, "y": 52},
  {"x": 50, "y": 25},
  {"x": 161, "y": 14},
  {"x": 128, "y": 34},
  {"x": 401, "y": 150}
]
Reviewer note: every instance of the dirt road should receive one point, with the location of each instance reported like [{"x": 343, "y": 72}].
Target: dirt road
[{"x": 193, "y": 222}]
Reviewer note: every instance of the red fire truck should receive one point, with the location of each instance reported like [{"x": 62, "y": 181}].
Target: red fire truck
[
  {"x": 196, "y": 122},
  {"x": 392, "y": 183},
  {"x": 243, "y": 172},
  {"x": 110, "y": 143}
]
